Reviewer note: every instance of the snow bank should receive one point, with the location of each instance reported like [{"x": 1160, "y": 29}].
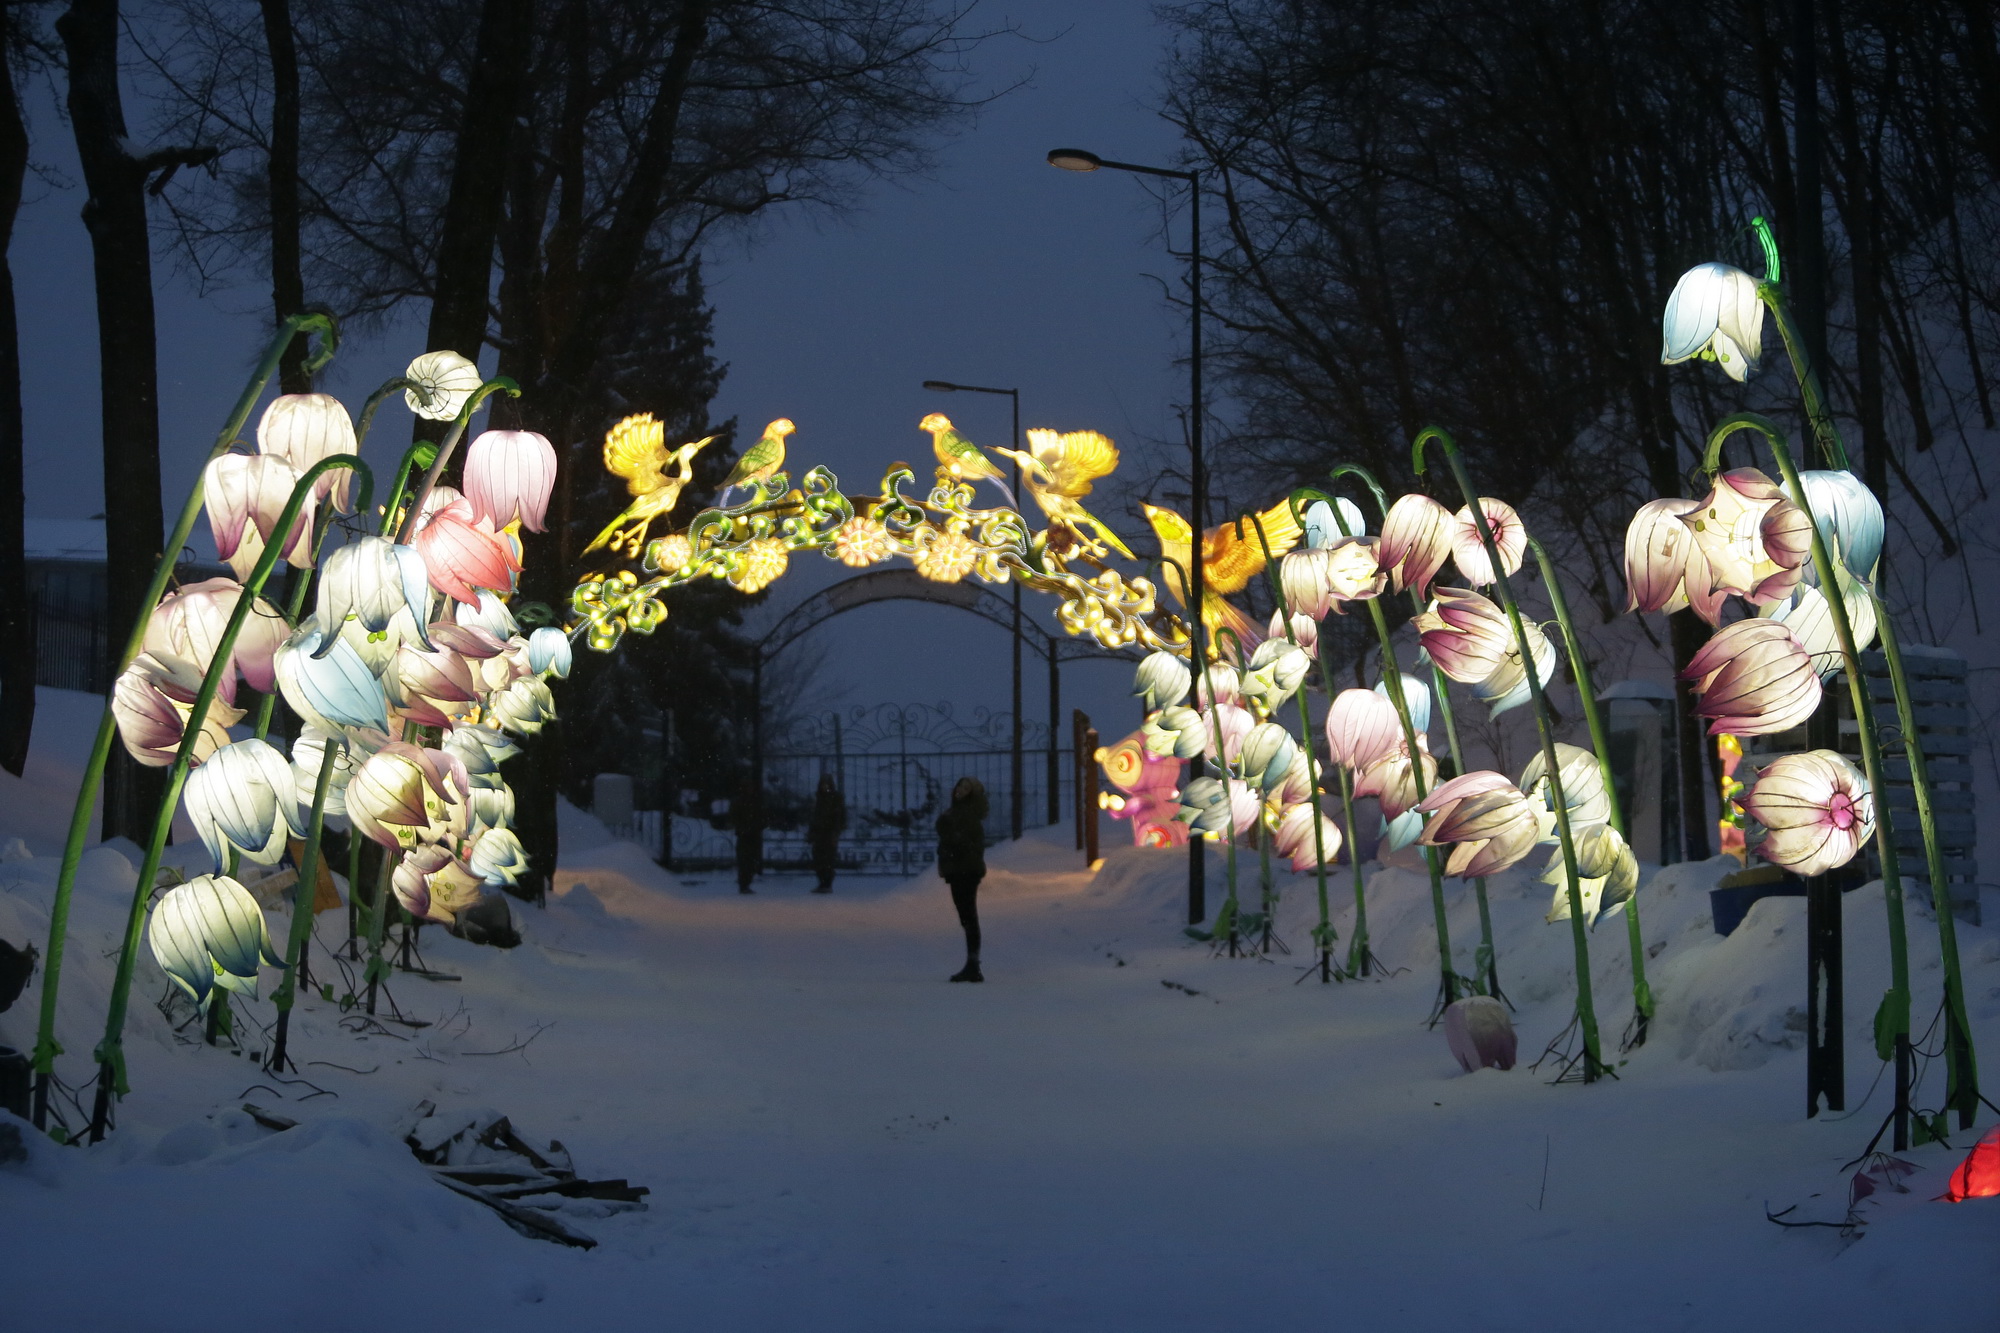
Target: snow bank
[{"x": 1119, "y": 1130}]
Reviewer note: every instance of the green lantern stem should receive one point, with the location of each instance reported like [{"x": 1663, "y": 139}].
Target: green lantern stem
[
  {"x": 1642, "y": 994},
  {"x": 1323, "y": 933},
  {"x": 419, "y": 455},
  {"x": 378, "y": 968},
  {"x": 1771, "y": 292},
  {"x": 46, "y": 1046},
  {"x": 1961, "y": 1064},
  {"x": 110, "y": 1054},
  {"x": 1586, "y": 1010},
  {"x": 1892, "y": 1018},
  {"x": 1231, "y": 908},
  {"x": 1359, "y": 957},
  {"x": 1486, "y": 961},
  {"x": 1225, "y": 916},
  {"x": 1392, "y": 681},
  {"x": 367, "y": 418},
  {"x": 498, "y": 384},
  {"x": 305, "y": 896}
]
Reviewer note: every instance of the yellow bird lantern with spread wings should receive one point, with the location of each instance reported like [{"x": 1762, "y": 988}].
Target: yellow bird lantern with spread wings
[
  {"x": 636, "y": 449},
  {"x": 1229, "y": 559},
  {"x": 1059, "y": 469}
]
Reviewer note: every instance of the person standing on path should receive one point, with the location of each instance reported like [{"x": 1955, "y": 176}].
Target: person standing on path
[
  {"x": 747, "y": 818},
  {"x": 829, "y": 819},
  {"x": 961, "y": 863}
]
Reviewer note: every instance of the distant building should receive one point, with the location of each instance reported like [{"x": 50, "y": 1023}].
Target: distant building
[{"x": 65, "y": 558}]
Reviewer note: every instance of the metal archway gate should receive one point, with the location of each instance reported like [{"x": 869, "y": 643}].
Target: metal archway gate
[{"x": 896, "y": 764}]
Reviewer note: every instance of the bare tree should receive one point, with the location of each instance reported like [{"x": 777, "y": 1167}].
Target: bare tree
[
  {"x": 119, "y": 175},
  {"x": 1473, "y": 214},
  {"x": 590, "y": 149},
  {"x": 17, "y": 620}
]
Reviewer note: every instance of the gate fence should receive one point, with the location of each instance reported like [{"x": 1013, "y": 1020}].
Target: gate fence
[
  {"x": 70, "y": 651},
  {"x": 895, "y": 766}
]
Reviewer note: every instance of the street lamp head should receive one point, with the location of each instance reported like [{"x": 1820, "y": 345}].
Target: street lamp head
[
  {"x": 1074, "y": 159},
  {"x": 941, "y": 386}
]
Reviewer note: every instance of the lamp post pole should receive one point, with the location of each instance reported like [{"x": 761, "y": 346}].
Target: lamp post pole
[
  {"x": 1076, "y": 159},
  {"x": 1014, "y": 586}
]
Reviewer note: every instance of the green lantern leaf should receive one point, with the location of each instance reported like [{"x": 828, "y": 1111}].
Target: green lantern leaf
[{"x": 1891, "y": 1018}]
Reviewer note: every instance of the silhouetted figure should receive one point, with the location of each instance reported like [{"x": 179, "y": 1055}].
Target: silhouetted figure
[
  {"x": 961, "y": 863},
  {"x": 829, "y": 819},
  {"x": 747, "y": 817}
]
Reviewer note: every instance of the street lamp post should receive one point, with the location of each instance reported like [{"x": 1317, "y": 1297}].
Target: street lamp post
[
  {"x": 1076, "y": 159},
  {"x": 946, "y": 386}
]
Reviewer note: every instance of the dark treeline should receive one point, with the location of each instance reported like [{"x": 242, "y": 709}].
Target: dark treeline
[
  {"x": 1472, "y": 214},
  {"x": 539, "y": 178}
]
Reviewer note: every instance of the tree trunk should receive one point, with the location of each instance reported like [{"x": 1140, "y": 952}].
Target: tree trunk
[
  {"x": 1864, "y": 265},
  {"x": 288, "y": 285},
  {"x": 479, "y": 178},
  {"x": 128, "y": 390},
  {"x": 17, "y": 620},
  {"x": 1688, "y": 636},
  {"x": 622, "y": 244}
]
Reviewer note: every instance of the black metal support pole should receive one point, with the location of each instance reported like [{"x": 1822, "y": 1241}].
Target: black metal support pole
[
  {"x": 1826, "y": 1018},
  {"x": 669, "y": 789},
  {"x": 757, "y": 758},
  {"x": 1076, "y": 725},
  {"x": 1017, "y": 795},
  {"x": 1670, "y": 782},
  {"x": 1077, "y": 159},
  {"x": 1087, "y": 773},
  {"x": 1826, "y": 1075},
  {"x": 1197, "y": 905},
  {"x": 1055, "y": 734}
]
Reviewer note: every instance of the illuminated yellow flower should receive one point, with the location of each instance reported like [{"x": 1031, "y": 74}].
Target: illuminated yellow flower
[
  {"x": 948, "y": 558},
  {"x": 861, "y": 542},
  {"x": 670, "y": 554},
  {"x": 762, "y": 563}
]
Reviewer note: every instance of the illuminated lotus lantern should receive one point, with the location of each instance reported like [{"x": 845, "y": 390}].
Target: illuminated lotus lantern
[
  {"x": 1416, "y": 540},
  {"x": 1163, "y": 680},
  {"x": 302, "y": 429},
  {"x": 209, "y": 934},
  {"x": 443, "y": 381},
  {"x": 245, "y": 797},
  {"x": 1296, "y": 840},
  {"x": 1715, "y": 314},
  {"x": 246, "y": 495},
  {"x": 189, "y": 624},
  {"x": 1217, "y": 807},
  {"x": 1147, "y": 791},
  {"x": 508, "y": 477},
  {"x": 1468, "y": 552},
  {"x": 1816, "y": 809},
  {"x": 1479, "y": 1033},
  {"x": 463, "y": 552}
]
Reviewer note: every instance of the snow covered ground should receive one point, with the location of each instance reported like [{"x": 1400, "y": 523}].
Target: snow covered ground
[{"x": 836, "y": 1139}]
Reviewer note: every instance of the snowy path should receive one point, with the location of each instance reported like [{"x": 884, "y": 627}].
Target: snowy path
[{"x": 836, "y": 1139}]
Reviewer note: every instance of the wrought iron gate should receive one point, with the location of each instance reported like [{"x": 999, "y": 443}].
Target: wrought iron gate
[{"x": 896, "y": 766}]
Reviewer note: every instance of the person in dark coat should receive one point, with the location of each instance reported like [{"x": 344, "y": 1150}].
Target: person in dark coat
[
  {"x": 747, "y": 818},
  {"x": 961, "y": 863},
  {"x": 829, "y": 818}
]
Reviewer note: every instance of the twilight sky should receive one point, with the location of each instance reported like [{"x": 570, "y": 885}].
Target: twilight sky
[{"x": 997, "y": 270}]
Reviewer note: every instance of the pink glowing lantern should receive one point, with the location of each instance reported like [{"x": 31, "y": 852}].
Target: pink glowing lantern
[
  {"x": 463, "y": 552},
  {"x": 508, "y": 477},
  {"x": 1147, "y": 792}
]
